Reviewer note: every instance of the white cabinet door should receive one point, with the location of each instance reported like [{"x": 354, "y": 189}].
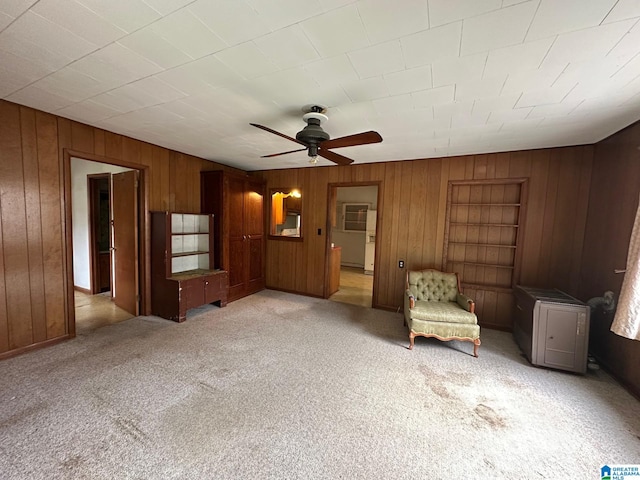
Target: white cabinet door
[{"x": 369, "y": 257}]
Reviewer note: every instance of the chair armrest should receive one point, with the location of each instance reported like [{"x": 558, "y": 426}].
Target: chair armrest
[
  {"x": 466, "y": 303},
  {"x": 410, "y": 298}
]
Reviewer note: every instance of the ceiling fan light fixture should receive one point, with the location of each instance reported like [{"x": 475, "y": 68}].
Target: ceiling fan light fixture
[{"x": 313, "y": 154}]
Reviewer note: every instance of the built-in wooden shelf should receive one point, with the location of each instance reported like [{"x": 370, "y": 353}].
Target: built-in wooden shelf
[
  {"x": 477, "y": 264},
  {"x": 510, "y": 225},
  {"x": 187, "y": 254}
]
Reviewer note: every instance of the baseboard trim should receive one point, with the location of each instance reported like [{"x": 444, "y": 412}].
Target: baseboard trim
[
  {"x": 34, "y": 346},
  {"x": 82, "y": 290}
]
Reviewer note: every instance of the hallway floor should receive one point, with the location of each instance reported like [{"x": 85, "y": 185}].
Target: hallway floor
[
  {"x": 95, "y": 311},
  {"x": 356, "y": 288}
]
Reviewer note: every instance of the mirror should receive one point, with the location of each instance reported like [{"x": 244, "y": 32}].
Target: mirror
[{"x": 286, "y": 213}]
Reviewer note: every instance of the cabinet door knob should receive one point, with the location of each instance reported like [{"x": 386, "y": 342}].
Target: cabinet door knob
[
  {"x": 249, "y": 237},
  {"x": 244, "y": 237},
  {"x": 206, "y": 283}
]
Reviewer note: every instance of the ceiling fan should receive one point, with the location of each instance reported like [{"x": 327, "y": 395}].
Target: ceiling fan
[{"x": 317, "y": 142}]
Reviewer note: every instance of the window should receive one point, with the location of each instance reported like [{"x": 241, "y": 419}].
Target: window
[
  {"x": 286, "y": 213},
  {"x": 354, "y": 217}
]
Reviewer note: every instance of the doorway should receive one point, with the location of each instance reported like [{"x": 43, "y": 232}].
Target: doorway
[
  {"x": 352, "y": 232},
  {"x": 99, "y": 187},
  {"x": 104, "y": 244}
]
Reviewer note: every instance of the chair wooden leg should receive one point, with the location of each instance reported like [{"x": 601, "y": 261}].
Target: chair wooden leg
[
  {"x": 412, "y": 336},
  {"x": 476, "y": 344}
]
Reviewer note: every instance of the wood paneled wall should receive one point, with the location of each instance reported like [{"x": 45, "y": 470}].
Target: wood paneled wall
[
  {"x": 613, "y": 201},
  {"x": 32, "y": 237},
  {"x": 412, "y": 220}
]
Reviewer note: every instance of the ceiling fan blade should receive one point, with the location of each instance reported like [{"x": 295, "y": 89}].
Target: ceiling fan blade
[
  {"x": 363, "y": 138},
  {"x": 334, "y": 157},
  {"x": 282, "y": 153},
  {"x": 270, "y": 130}
]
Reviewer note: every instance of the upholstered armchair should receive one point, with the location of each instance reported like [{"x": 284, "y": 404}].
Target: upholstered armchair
[{"x": 435, "y": 307}]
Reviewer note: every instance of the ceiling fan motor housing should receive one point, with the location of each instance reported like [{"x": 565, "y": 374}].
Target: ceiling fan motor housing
[{"x": 313, "y": 133}]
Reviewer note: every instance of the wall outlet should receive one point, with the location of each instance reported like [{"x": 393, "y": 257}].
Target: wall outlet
[{"x": 401, "y": 264}]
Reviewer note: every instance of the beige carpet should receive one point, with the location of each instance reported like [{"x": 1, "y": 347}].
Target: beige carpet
[{"x": 282, "y": 386}]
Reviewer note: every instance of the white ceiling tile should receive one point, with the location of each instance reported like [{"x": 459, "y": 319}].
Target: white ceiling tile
[
  {"x": 629, "y": 72},
  {"x": 383, "y": 23},
  {"x": 624, "y": 9},
  {"x": 188, "y": 33},
  {"x": 508, "y": 3},
  {"x": 411, "y": 80},
  {"x": 288, "y": 47},
  {"x": 184, "y": 79},
  {"x": 497, "y": 103},
  {"x": 87, "y": 112},
  {"x": 433, "y": 96},
  {"x": 448, "y": 110},
  {"x": 525, "y": 56},
  {"x": 152, "y": 46},
  {"x": 46, "y": 36},
  {"x": 378, "y": 60},
  {"x": 70, "y": 84},
  {"x": 458, "y": 69},
  {"x": 157, "y": 88},
  {"x": 332, "y": 71},
  {"x": 557, "y": 109},
  {"x": 15, "y": 8},
  {"x": 247, "y": 60},
  {"x": 212, "y": 71},
  {"x": 35, "y": 97},
  {"x": 446, "y": 11},
  {"x": 122, "y": 100},
  {"x": 475, "y": 89},
  {"x": 80, "y": 20},
  {"x": 115, "y": 65},
  {"x": 328, "y": 5},
  {"x": 526, "y": 80},
  {"x": 282, "y": 13},
  {"x": 497, "y": 29},
  {"x": 22, "y": 70},
  {"x": 587, "y": 44},
  {"x": 337, "y": 31},
  {"x": 5, "y": 20},
  {"x": 432, "y": 45},
  {"x": 368, "y": 89},
  {"x": 165, "y": 7},
  {"x": 628, "y": 46},
  {"x": 360, "y": 110},
  {"x": 468, "y": 119},
  {"x": 543, "y": 96},
  {"x": 234, "y": 21},
  {"x": 48, "y": 57},
  {"x": 283, "y": 85},
  {"x": 554, "y": 17},
  {"x": 395, "y": 104},
  {"x": 507, "y": 116},
  {"x": 129, "y": 15},
  {"x": 9, "y": 83}
]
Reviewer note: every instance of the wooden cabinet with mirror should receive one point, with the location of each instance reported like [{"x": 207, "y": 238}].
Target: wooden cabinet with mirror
[{"x": 183, "y": 273}]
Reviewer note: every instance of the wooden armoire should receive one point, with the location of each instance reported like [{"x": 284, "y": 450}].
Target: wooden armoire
[{"x": 237, "y": 202}]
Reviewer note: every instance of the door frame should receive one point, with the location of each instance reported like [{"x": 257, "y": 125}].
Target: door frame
[
  {"x": 144, "y": 231},
  {"x": 94, "y": 255},
  {"x": 332, "y": 198}
]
